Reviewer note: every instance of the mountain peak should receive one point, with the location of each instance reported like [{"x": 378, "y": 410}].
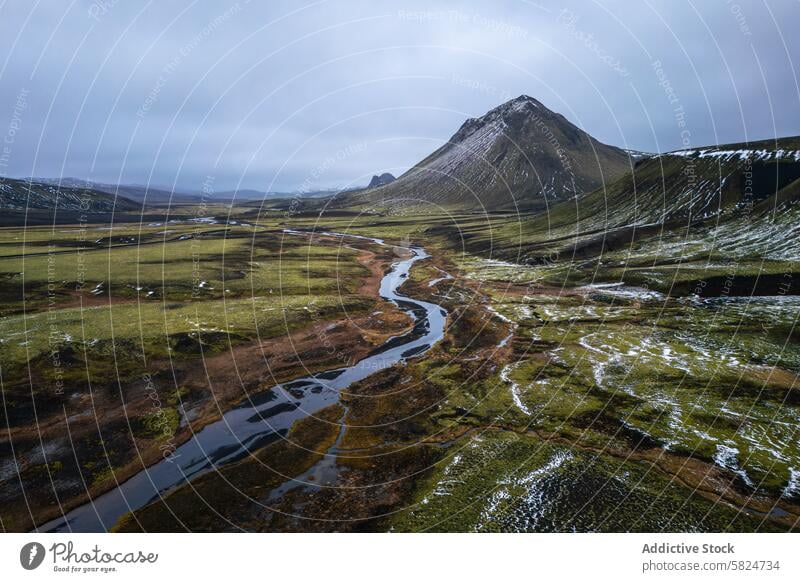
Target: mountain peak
[
  {"x": 382, "y": 180},
  {"x": 518, "y": 152},
  {"x": 517, "y": 105},
  {"x": 505, "y": 117},
  {"x": 522, "y": 99}
]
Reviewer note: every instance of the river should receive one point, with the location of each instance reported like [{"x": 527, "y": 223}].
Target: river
[{"x": 265, "y": 416}]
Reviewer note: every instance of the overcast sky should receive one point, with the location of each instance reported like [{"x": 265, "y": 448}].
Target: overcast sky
[{"x": 284, "y": 95}]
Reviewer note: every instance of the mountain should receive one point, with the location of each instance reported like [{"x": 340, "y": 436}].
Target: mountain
[
  {"x": 382, "y": 180},
  {"x": 161, "y": 196},
  {"x": 718, "y": 220},
  {"x": 27, "y": 195},
  {"x": 718, "y": 208},
  {"x": 680, "y": 189},
  {"x": 137, "y": 192},
  {"x": 148, "y": 194},
  {"x": 518, "y": 154},
  {"x": 705, "y": 220},
  {"x": 683, "y": 187},
  {"x": 245, "y": 194}
]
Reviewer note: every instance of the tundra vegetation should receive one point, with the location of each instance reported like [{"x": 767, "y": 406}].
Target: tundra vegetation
[
  {"x": 616, "y": 363},
  {"x": 566, "y": 395}
]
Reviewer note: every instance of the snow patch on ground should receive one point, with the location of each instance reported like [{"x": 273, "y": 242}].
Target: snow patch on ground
[
  {"x": 727, "y": 457},
  {"x": 792, "y": 488},
  {"x": 516, "y": 391}
]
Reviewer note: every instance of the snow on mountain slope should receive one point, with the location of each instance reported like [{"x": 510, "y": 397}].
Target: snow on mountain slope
[{"x": 519, "y": 154}]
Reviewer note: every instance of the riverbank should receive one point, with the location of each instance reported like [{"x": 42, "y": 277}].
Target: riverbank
[
  {"x": 266, "y": 417},
  {"x": 607, "y": 409},
  {"x": 122, "y": 412}
]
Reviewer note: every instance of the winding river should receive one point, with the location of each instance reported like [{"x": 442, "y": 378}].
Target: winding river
[{"x": 265, "y": 416}]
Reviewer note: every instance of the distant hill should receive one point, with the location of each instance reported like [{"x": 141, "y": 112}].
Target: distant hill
[
  {"x": 518, "y": 154},
  {"x": 136, "y": 192},
  {"x": 159, "y": 196},
  {"x": 35, "y": 195},
  {"x": 148, "y": 194}
]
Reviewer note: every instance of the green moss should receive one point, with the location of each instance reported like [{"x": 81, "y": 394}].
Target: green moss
[
  {"x": 506, "y": 482},
  {"x": 160, "y": 424},
  {"x": 102, "y": 476}
]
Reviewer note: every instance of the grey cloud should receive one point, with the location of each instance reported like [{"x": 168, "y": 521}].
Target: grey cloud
[{"x": 261, "y": 94}]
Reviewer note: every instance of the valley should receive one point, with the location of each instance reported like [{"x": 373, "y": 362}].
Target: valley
[{"x": 613, "y": 352}]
